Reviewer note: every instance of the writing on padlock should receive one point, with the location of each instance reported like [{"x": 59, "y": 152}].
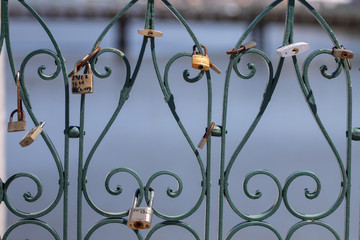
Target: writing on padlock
[
  {"x": 19, "y": 125},
  {"x": 82, "y": 83},
  {"x": 199, "y": 61},
  {"x": 141, "y": 217},
  {"x": 30, "y": 137}
]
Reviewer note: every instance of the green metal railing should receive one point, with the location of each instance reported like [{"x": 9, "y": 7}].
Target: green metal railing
[{"x": 226, "y": 162}]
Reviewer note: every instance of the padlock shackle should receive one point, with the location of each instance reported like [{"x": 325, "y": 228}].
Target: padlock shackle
[
  {"x": 82, "y": 63},
  {"x": 151, "y": 199},
  {"x": 79, "y": 66},
  {"x": 22, "y": 114},
  {"x": 194, "y": 50},
  {"x": 18, "y": 93}
]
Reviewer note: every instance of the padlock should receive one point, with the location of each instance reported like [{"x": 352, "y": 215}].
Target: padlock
[
  {"x": 344, "y": 54},
  {"x": 82, "y": 83},
  {"x": 206, "y": 136},
  {"x": 150, "y": 33},
  {"x": 292, "y": 49},
  {"x": 141, "y": 217},
  {"x": 242, "y": 48},
  {"x": 200, "y": 61},
  {"x": 19, "y": 125},
  {"x": 32, "y": 135}
]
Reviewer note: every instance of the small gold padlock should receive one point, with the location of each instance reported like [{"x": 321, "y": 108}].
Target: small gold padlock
[
  {"x": 200, "y": 61},
  {"x": 32, "y": 135},
  {"x": 141, "y": 217},
  {"x": 82, "y": 83},
  {"x": 19, "y": 125}
]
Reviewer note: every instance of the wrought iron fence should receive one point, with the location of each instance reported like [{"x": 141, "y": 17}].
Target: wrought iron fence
[{"x": 203, "y": 199}]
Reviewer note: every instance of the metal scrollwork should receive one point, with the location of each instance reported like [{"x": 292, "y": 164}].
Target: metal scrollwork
[
  {"x": 300, "y": 225},
  {"x": 183, "y": 225},
  {"x": 303, "y": 78},
  {"x": 36, "y": 222},
  {"x": 108, "y": 221},
  {"x": 202, "y": 198},
  {"x": 257, "y": 195},
  {"x": 245, "y": 225}
]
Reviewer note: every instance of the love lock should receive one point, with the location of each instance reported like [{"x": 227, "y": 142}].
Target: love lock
[
  {"x": 292, "y": 49},
  {"x": 199, "y": 61},
  {"x": 19, "y": 125},
  {"x": 32, "y": 135},
  {"x": 82, "y": 83},
  {"x": 141, "y": 217},
  {"x": 344, "y": 54}
]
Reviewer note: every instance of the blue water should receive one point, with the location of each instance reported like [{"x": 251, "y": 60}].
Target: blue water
[{"x": 145, "y": 137}]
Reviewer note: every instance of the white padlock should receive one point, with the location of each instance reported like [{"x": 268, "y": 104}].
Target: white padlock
[{"x": 292, "y": 49}]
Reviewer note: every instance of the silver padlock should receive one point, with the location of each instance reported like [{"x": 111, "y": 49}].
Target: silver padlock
[{"x": 141, "y": 217}]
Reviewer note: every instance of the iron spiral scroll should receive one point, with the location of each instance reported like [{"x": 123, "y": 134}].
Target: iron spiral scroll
[
  {"x": 258, "y": 220},
  {"x": 165, "y": 220}
]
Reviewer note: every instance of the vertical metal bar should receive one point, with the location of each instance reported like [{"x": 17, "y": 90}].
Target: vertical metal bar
[
  {"x": 80, "y": 168},
  {"x": 348, "y": 154},
  {"x": 208, "y": 163}
]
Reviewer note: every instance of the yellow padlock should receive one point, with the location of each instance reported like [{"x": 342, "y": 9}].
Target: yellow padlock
[{"x": 199, "y": 61}]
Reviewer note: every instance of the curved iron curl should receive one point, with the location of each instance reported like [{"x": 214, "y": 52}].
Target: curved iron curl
[
  {"x": 244, "y": 225},
  {"x": 174, "y": 194},
  {"x": 251, "y": 66},
  {"x": 31, "y": 222},
  {"x": 108, "y": 69},
  {"x": 257, "y": 195},
  {"x": 27, "y": 196},
  {"x": 186, "y": 73},
  {"x": 108, "y": 221},
  {"x": 43, "y": 67},
  {"x": 308, "y": 195},
  {"x": 299, "y": 225},
  {"x": 117, "y": 191},
  {"x": 40, "y": 71},
  {"x": 323, "y": 68},
  {"x": 172, "y": 223}
]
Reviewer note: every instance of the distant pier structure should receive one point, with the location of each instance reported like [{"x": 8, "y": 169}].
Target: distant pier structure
[{"x": 343, "y": 13}]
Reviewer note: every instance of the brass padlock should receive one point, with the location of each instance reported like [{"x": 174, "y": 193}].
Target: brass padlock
[
  {"x": 200, "y": 61},
  {"x": 20, "y": 124},
  {"x": 82, "y": 83},
  {"x": 32, "y": 135},
  {"x": 140, "y": 217}
]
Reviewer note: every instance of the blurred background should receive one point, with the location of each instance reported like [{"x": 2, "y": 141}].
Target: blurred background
[{"x": 146, "y": 138}]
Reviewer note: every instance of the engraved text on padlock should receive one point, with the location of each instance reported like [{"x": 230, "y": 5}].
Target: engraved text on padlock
[
  {"x": 82, "y": 83},
  {"x": 141, "y": 217}
]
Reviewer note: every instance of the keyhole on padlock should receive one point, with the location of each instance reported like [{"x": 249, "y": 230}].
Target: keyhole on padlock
[
  {"x": 200, "y": 67},
  {"x": 344, "y": 54},
  {"x": 138, "y": 225},
  {"x": 295, "y": 50}
]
